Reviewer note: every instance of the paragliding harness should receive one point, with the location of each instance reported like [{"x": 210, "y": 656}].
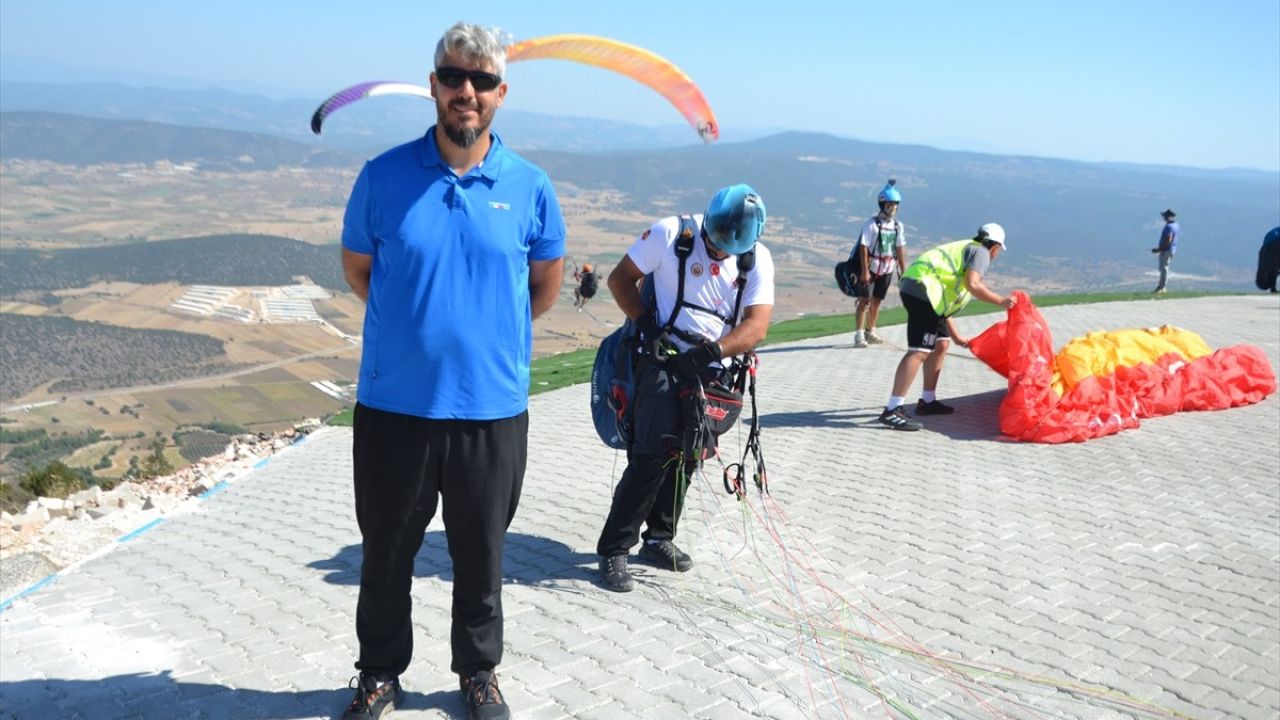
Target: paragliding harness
[
  {"x": 710, "y": 402},
  {"x": 849, "y": 271},
  {"x": 588, "y": 284},
  {"x": 1268, "y": 261}
]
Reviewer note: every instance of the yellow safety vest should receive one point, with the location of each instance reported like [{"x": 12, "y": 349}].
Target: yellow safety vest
[{"x": 941, "y": 272}]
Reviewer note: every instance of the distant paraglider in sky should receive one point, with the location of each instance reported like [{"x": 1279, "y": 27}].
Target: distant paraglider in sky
[
  {"x": 634, "y": 62},
  {"x": 355, "y": 93}
]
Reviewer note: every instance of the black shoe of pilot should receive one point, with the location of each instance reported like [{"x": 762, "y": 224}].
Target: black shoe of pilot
[
  {"x": 484, "y": 700},
  {"x": 616, "y": 576},
  {"x": 375, "y": 697},
  {"x": 666, "y": 555}
]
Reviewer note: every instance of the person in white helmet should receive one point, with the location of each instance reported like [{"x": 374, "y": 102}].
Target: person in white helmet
[
  {"x": 934, "y": 288},
  {"x": 879, "y": 256}
]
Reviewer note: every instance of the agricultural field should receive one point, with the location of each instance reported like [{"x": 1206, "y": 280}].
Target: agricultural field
[
  {"x": 263, "y": 378},
  {"x": 52, "y": 205}
]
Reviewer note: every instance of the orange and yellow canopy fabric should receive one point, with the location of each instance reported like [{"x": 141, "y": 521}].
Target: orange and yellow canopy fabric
[
  {"x": 654, "y": 71},
  {"x": 1105, "y": 382}
]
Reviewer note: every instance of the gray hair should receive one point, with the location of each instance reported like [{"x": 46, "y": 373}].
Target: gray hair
[{"x": 475, "y": 44}]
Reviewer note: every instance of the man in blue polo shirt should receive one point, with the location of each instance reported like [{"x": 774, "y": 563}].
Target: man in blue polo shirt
[{"x": 455, "y": 243}]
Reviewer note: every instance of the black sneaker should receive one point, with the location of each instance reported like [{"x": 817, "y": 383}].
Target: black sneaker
[
  {"x": 484, "y": 700},
  {"x": 616, "y": 576},
  {"x": 666, "y": 555},
  {"x": 375, "y": 697},
  {"x": 898, "y": 420},
  {"x": 934, "y": 407}
]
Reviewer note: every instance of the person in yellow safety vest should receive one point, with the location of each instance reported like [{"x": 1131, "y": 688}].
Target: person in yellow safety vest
[{"x": 934, "y": 288}]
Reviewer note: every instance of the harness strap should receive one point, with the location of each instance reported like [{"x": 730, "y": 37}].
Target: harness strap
[
  {"x": 684, "y": 248},
  {"x": 897, "y": 228},
  {"x": 735, "y": 480}
]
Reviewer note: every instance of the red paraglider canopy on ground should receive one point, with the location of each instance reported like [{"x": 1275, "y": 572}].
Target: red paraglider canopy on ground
[{"x": 1106, "y": 382}]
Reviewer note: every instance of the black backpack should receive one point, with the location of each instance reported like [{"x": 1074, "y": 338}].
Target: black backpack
[
  {"x": 613, "y": 374},
  {"x": 844, "y": 274}
]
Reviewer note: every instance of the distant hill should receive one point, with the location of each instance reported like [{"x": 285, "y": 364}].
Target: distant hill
[
  {"x": 213, "y": 260},
  {"x": 1091, "y": 222},
  {"x": 79, "y": 140},
  {"x": 1085, "y": 225},
  {"x": 363, "y": 127}
]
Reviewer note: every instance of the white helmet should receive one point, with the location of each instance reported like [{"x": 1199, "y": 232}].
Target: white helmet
[{"x": 992, "y": 232}]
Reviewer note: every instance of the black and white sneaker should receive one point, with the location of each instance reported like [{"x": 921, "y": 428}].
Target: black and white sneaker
[
  {"x": 898, "y": 420},
  {"x": 375, "y": 697}
]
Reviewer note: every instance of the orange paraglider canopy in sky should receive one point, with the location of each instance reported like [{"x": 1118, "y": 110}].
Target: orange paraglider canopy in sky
[
  {"x": 653, "y": 71},
  {"x": 635, "y": 62}
]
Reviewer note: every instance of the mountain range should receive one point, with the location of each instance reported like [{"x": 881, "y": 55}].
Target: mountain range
[
  {"x": 362, "y": 127},
  {"x": 1088, "y": 222}
]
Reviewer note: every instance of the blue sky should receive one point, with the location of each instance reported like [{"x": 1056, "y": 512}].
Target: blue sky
[{"x": 1179, "y": 82}]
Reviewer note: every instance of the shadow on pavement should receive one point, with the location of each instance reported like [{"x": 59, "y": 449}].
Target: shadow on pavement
[
  {"x": 529, "y": 560},
  {"x": 162, "y": 696},
  {"x": 853, "y": 417},
  {"x": 976, "y": 418},
  {"x": 769, "y": 350}
]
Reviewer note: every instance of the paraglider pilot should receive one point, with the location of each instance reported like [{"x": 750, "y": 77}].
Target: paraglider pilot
[{"x": 714, "y": 319}]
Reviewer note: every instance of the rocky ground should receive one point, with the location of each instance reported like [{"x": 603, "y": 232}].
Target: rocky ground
[{"x": 52, "y": 534}]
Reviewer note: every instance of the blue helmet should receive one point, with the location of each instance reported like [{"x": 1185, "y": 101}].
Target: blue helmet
[
  {"x": 890, "y": 193},
  {"x": 734, "y": 219}
]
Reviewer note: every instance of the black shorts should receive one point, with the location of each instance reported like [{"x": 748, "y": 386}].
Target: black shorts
[
  {"x": 877, "y": 288},
  {"x": 924, "y": 326},
  {"x": 587, "y": 291}
]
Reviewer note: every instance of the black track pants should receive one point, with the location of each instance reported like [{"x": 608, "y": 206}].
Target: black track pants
[
  {"x": 403, "y": 465},
  {"x": 651, "y": 491}
]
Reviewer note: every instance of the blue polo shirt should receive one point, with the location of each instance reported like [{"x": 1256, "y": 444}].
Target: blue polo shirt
[
  {"x": 1169, "y": 238},
  {"x": 448, "y": 331}
]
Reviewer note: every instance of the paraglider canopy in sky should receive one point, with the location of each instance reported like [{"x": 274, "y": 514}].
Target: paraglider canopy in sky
[{"x": 634, "y": 62}]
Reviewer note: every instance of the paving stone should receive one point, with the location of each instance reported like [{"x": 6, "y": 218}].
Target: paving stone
[{"x": 1141, "y": 567}]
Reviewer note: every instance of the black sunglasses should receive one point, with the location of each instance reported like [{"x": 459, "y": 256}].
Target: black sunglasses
[{"x": 481, "y": 81}]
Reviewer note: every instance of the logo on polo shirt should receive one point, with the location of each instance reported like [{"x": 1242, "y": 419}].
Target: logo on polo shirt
[
  {"x": 697, "y": 270},
  {"x": 499, "y": 206},
  {"x": 715, "y": 269}
]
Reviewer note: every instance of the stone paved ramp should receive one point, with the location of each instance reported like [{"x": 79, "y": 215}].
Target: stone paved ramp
[{"x": 946, "y": 573}]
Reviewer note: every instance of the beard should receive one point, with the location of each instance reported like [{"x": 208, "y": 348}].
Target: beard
[{"x": 464, "y": 136}]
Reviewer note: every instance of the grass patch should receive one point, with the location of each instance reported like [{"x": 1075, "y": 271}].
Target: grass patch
[{"x": 558, "y": 371}]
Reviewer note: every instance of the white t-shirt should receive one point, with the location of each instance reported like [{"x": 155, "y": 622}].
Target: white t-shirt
[
  {"x": 881, "y": 240},
  {"x": 708, "y": 283}
]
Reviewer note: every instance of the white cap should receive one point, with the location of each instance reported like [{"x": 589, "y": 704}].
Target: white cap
[{"x": 992, "y": 232}]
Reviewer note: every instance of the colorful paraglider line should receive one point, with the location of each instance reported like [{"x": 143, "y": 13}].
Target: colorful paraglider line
[{"x": 634, "y": 62}]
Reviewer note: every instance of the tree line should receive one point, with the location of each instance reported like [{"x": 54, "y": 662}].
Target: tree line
[
  {"x": 229, "y": 260},
  {"x": 88, "y": 355}
]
